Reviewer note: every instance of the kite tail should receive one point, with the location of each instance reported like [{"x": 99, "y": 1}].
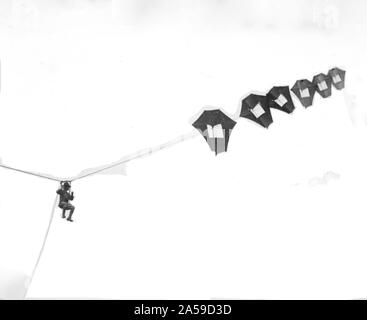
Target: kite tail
[{"x": 42, "y": 248}]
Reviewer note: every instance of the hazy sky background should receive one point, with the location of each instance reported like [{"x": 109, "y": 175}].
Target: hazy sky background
[{"x": 218, "y": 13}]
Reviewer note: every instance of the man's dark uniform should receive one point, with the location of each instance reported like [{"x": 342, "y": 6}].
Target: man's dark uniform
[{"x": 65, "y": 197}]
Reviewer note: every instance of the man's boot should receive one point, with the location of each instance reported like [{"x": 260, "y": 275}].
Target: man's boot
[
  {"x": 63, "y": 214},
  {"x": 70, "y": 215}
]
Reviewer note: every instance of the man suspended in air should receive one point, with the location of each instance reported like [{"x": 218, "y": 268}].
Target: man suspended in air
[{"x": 65, "y": 197}]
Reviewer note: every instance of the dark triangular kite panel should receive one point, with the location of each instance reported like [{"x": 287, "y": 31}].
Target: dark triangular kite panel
[
  {"x": 280, "y": 98},
  {"x": 322, "y": 84},
  {"x": 212, "y": 118},
  {"x": 337, "y": 78},
  {"x": 216, "y": 128},
  {"x": 255, "y": 107},
  {"x": 305, "y": 92}
]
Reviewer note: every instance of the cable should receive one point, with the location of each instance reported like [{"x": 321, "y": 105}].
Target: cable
[
  {"x": 133, "y": 156},
  {"x": 43, "y": 246},
  {"x": 32, "y": 173},
  {"x": 140, "y": 154}
]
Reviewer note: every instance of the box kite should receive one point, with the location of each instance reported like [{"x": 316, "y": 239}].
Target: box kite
[
  {"x": 280, "y": 98},
  {"x": 216, "y": 128},
  {"x": 322, "y": 84},
  {"x": 337, "y": 78},
  {"x": 305, "y": 91},
  {"x": 255, "y": 107}
]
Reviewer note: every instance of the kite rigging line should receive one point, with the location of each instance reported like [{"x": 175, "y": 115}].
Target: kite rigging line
[
  {"x": 43, "y": 246},
  {"x": 136, "y": 155},
  {"x": 139, "y": 154},
  {"x": 31, "y": 173}
]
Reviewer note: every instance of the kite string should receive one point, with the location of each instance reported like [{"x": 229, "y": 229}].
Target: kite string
[
  {"x": 136, "y": 155},
  {"x": 43, "y": 246},
  {"x": 139, "y": 154},
  {"x": 30, "y": 173}
]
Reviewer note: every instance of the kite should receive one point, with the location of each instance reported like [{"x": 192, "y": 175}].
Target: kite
[
  {"x": 280, "y": 98},
  {"x": 322, "y": 84},
  {"x": 255, "y": 107},
  {"x": 305, "y": 91},
  {"x": 338, "y": 78},
  {"x": 216, "y": 127}
]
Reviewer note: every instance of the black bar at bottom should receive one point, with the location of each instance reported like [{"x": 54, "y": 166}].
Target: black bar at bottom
[{"x": 180, "y": 309}]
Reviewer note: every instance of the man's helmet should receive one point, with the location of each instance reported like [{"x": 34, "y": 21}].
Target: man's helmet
[{"x": 66, "y": 185}]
